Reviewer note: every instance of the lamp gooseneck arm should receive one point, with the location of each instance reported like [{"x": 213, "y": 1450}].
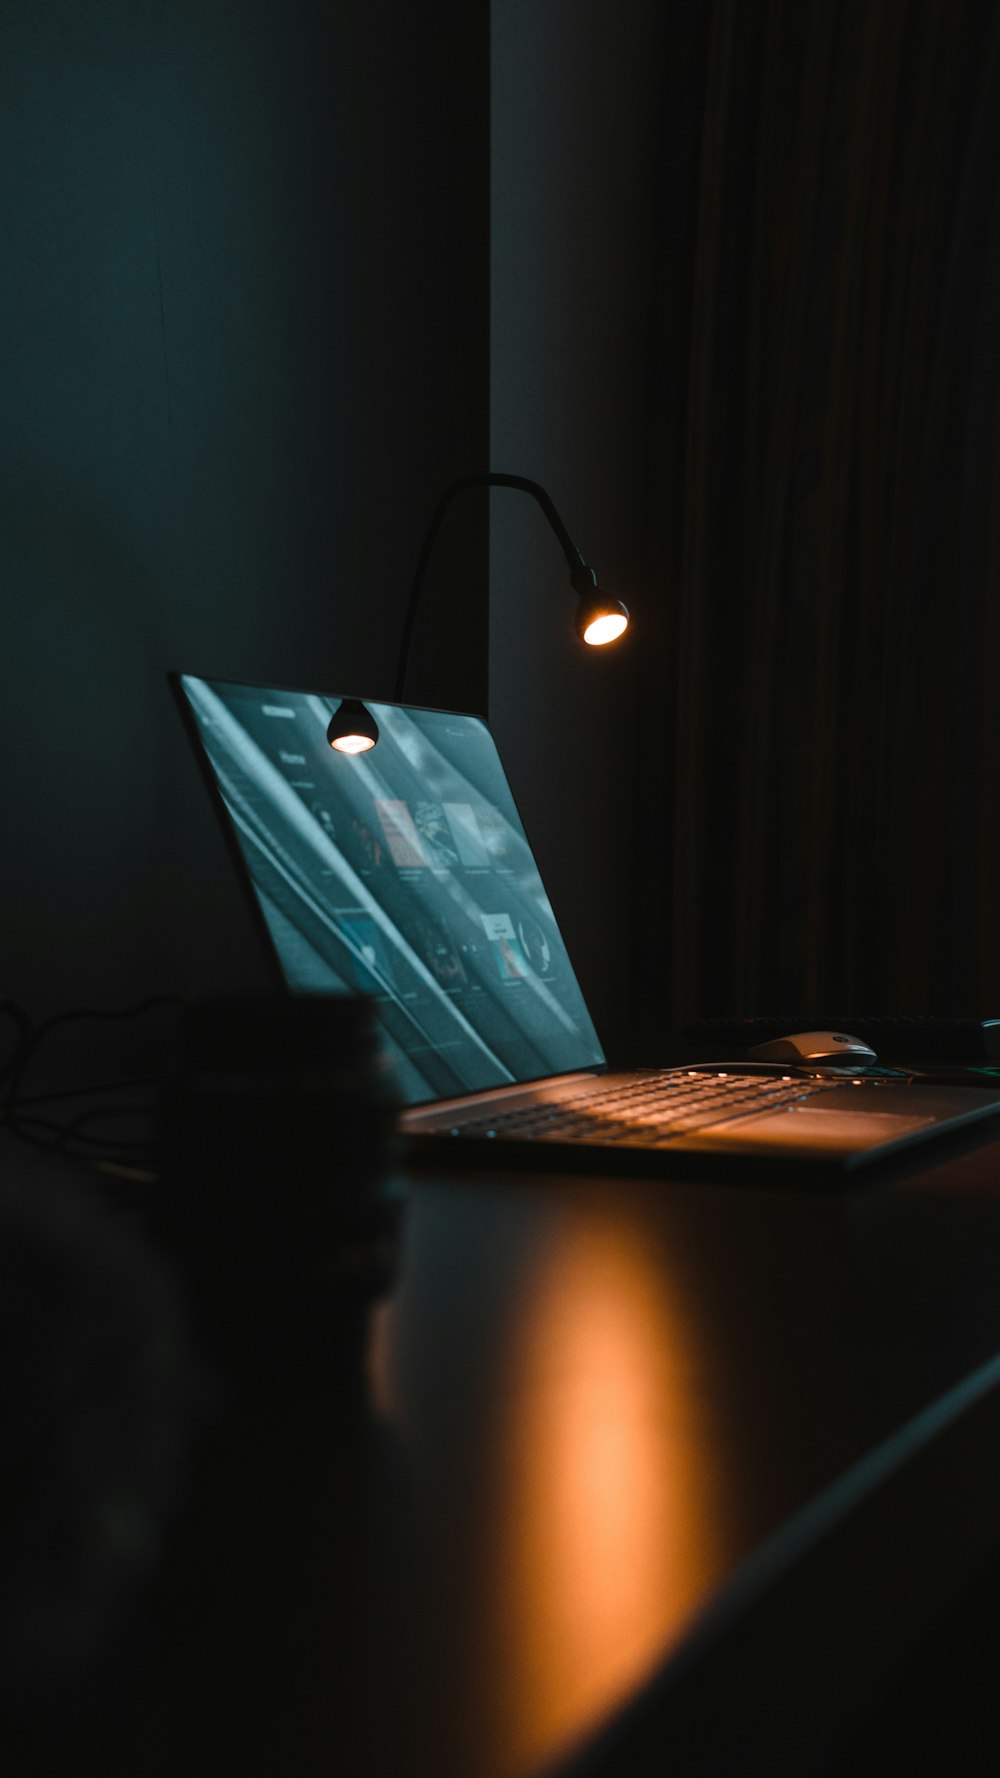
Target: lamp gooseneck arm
[{"x": 581, "y": 574}]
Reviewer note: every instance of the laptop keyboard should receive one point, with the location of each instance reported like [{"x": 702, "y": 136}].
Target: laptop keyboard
[{"x": 637, "y": 1113}]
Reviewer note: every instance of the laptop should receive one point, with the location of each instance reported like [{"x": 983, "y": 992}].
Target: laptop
[{"x": 403, "y": 873}]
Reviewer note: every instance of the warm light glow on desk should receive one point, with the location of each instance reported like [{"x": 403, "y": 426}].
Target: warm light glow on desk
[{"x": 603, "y": 1516}]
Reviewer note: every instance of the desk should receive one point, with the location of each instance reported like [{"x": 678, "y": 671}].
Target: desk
[
  {"x": 591, "y": 1400},
  {"x": 612, "y": 1392}
]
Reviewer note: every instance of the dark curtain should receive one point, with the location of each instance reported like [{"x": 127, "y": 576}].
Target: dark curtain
[{"x": 819, "y": 809}]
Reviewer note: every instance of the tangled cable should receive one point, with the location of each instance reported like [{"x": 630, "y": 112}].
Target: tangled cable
[{"x": 20, "y": 1115}]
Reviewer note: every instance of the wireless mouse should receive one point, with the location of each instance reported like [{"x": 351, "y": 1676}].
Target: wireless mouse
[{"x": 814, "y": 1046}]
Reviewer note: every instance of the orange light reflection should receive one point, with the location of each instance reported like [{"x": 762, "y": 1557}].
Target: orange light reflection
[{"x": 604, "y": 1531}]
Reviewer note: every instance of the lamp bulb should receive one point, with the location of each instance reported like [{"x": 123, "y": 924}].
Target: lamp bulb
[
  {"x": 352, "y": 743},
  {"x": 600, "y": 619},
  {"x": 604, "y": 629},
  {"x": 353, "y": 728}
]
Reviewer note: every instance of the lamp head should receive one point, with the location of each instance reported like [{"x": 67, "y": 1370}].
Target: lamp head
[
  {"x": 352, "y": 729},
  {"x": 600, "y": 618}
]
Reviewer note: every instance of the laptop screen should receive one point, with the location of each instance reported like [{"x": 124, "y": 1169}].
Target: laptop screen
[{"x": 403, "y": 873}]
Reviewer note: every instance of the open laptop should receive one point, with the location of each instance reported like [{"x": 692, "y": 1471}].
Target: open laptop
[{"x": 404, "y": 873}]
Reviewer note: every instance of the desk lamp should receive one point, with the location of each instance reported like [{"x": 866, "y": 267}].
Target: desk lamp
[{"x": 600, "y": 619}]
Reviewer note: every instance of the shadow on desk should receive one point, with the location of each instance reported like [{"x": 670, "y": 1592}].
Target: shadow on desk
[{"x": 862, "y": 1641}]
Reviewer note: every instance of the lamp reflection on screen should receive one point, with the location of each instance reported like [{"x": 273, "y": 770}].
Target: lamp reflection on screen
[{"x": 352, "y": 728}]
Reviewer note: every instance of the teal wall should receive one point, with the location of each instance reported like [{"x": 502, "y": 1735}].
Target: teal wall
[{"x": 243, "y": 346}]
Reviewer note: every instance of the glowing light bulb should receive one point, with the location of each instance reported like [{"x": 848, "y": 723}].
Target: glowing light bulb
[
  {"x": 353, "y": 728},
  {"x": 606, "y": 628},
  {"x": 352, "y": 743},
  {"x": 599, "y": 618}
]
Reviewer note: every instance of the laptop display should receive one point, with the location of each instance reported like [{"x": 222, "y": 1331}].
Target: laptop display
[{"x": 403, "y": 873}]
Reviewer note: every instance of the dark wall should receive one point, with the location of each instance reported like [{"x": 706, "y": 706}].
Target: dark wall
[
  {"x": 243, "y": 346},
  {"x": 576, "y": 86}
]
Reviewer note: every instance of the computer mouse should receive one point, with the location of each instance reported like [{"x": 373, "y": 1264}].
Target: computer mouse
[{"x": 814, "y": 1046}]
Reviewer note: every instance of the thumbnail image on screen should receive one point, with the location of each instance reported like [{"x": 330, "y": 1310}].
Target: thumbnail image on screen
[{"x": 403, "y": 873}]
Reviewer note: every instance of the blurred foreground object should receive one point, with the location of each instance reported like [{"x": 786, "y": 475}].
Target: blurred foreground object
[
  {"x": 277, "y": 1194},
  {"x": 98, "y": 1397}
]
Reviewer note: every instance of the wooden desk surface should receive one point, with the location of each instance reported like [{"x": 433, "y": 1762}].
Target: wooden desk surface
[
  {"x": 611, "y": 1392},
  {"x": 588, "y": 1401}
]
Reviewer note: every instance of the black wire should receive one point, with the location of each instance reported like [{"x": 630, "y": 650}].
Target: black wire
[
  {"x": 62, "y": 1134},
  {"x": 76, "y": 1132},
  {"x": 23, "y": 1023},
  {"x": 88, "y": 1092},
  {"x": 113, "y": 1015}
]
